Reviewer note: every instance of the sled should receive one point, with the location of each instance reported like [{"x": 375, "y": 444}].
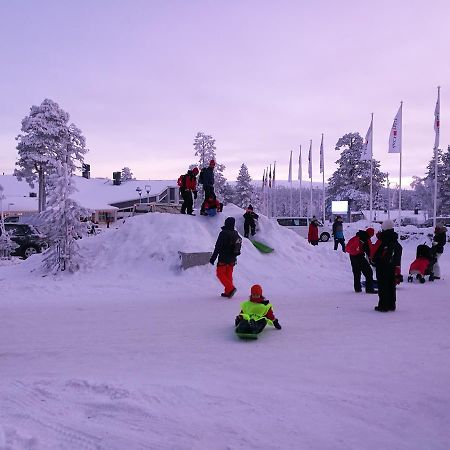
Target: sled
[
  {"x": 194, "y": 259},
  {"x": 247, "y": 336},
  {"x": 263, "y": 248}
]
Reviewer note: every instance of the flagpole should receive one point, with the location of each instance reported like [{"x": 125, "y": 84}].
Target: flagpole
[
  {"x": 389, "y": 196},
  {"x": 436, "y": 146},
  {"x": 371, "y": 174},
  {"x": 400, "y": 174},
  {"x": 310, "y": 177},
  {"x": 290, "y": 180},
  {"x": 323, "y": 183},
  {"x": 274, "y": 202},
  {"x": 300, "y": 176}
]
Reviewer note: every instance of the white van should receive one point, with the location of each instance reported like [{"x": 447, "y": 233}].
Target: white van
[{"x": 301, "y": 224}]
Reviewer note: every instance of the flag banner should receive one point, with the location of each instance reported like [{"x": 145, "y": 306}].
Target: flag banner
[
  {"x": 270, "y": 176},
  {"x": 273, "y": 176},
  {"x": 437, "y": 112},
  {"x": 264, "y": 179},
  {"x": 366, "y": 152},
  {"x": 290, "y": 169},
  {"x": 310, "y": 160},
  {"x": 395, "y": 138},
  {"x": 321, "y": 156},
  {"x": 300, "y": 164}
]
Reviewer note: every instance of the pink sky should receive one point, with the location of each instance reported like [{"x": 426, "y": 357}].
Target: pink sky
[{"x": 140, "y": 78}]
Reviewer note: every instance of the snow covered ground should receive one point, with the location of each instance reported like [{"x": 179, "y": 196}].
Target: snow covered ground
[{"x": 133, "y": 353}]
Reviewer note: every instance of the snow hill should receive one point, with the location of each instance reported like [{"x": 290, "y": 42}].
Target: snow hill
[{"x": 131, "y": 352}]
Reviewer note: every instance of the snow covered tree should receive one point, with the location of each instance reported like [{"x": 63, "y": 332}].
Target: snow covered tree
[
  {"x": 243, "y": 188},
  {"x": 62, "y": 221},
  {"x": 445, "y": 183},
  {"x": 228, "y": 193},
  {"x": 351, "y": 180},
  {"x": 205, "y": 150},
  {"x": 126, "y": 174},
  {"x": 47, "y": 135},
  {"x": 7, "y": 245}
]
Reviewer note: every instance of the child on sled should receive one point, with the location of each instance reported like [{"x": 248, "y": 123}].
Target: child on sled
[
  {"x": 255, "y": 314},
  {"x": 422, "y": 265}
]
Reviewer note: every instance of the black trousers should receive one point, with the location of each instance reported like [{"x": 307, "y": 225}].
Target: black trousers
[
  {"x": 249, "y": 226},
  {"x": 360, "y": 265},
  {"x": 386, "y": 287},
  {"x": 188, "y": 201},
  {"x": 209, "y": 192},
  {"x": 339, "y": 241},
  {"x": 252, "y": 327}
]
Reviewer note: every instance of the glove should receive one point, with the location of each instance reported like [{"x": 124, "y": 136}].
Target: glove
[
  {"x": 195, "y": 195},
  {"x": 398, "y": 275},
  {"x": 276, "y": 324}
]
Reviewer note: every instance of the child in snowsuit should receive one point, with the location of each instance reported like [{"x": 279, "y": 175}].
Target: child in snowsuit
[
  {"x": 439, "y": 240},
  {"x": 358, "y": 247},
  {"x": 188, "y": 187},
  {"x": 250, "y": 221},
  {"x": 226, "y": 250},
  {"x": 255, "y": 313},
  {"x": 338, "y": 233},
  {"x": 210, "y": 206},
  {"x": 313, "y": 232},
  {"x": 387, "y": 255},
  {"x": 206, "y": 178}
]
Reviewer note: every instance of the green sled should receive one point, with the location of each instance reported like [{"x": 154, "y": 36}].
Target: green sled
[
  {"x": 263, "y": 248},
  {"x": 247, "y": 336}
]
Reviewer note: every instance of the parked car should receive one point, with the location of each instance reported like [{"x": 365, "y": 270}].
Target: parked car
[
  {"x": 429, "y": 222},
  {"x": 28, "y": 239},
  {"x": 301, "y": 224}
]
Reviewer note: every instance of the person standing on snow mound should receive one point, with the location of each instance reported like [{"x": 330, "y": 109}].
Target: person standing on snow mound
[
  {"x": 227, "y": 249},
  {"x": 313, "y": 232},
  {"x": 255, "y": 313},
  {"x": 188, "y": 187},
  {"x": 250, "y": 219},
  {"x": 206, "y": 178},
  {"x": 358, "y": 247},
  {"x": 338, "y": 233},
  {"x": 387, "y": 255},
  {"x": 439, "y": 240}
]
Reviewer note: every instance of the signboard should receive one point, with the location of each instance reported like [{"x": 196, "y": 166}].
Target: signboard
[{"x": 339, "y": 207}]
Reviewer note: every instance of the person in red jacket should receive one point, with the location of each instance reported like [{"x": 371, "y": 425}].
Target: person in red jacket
[
  {"x": 313, "y": 232},
  {"x": 188, "y": 187}
]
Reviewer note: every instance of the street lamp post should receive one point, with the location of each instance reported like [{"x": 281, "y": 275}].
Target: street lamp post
[
  {"x": 148, "y": 189},
  {"x": 139, "y": 191}
]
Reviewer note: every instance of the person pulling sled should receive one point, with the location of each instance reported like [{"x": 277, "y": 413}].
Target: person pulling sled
[
  {"x": 255, "y": 314},
  {"x": 422, "y": 265}
]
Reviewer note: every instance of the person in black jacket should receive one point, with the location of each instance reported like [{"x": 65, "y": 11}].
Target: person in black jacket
[
  {"x": 206, "y": 178},
  {"x": 250, "y": 221},
  {"x": 387, "y": 257},
  {"x": 226, "y": 250},
  {"x": 439, "y": 240}
]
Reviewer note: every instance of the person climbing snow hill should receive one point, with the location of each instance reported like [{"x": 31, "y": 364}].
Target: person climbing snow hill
[
  {"x": 226, "y": 251},
  {"x": 250, "y": 219},
  {"x": 206, "y": 179},
  {"x": 188, "y": 188}
]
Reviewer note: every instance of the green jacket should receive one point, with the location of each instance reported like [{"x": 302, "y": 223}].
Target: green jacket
[{"x": 256, "y": 311}]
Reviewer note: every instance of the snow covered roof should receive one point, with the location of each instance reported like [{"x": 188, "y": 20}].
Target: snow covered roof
[{"x": 95, "y": 193}]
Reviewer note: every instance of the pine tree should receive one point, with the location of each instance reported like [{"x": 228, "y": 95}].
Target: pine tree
[
  {"x": 205, "y": 150},
  {"x": 243, "y": 188},
  {"x": 445, "y": 184},
  {"x": 47, "y": 135},
  {"x": 351, "y": 180},
  {"x": 126, "y": 174},
  {"x": 228, "y": 193},
  {"x": 7, "y": 245}
]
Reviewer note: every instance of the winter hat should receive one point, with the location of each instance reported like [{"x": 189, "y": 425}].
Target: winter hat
[
  {"x": 195, "y": 171},
  {"x": 256, "y": 291},
  {"x": 229, "y": 223},
  {"x": 250, "y": 207},
  {"x": 212, "y": 163},
  {"x": 370, "y": 232},
  {"x": 387, "y": 225}
]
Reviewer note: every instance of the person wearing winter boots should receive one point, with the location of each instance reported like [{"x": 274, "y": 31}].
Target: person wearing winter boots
[
  {"x": 226, "y": 251},
  {"x": 211, "y": 206},
  {"x": 250, "y": 219},
  {"x": 206, "y": 178},
  {"x": 358, "y": 247},
  {"x": 387, "y": 257},
  {"x": 255, "y": 313},
  {"x": 338, "y": 233},
  {"x": 188, "y": 188},
  {"x": 313, "y": 232},
  {"x": 439, "y": 240}
]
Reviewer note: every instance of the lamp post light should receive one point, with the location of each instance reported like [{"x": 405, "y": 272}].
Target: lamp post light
[
  {"x": 139, "y": 191},
  {"x": 148, "y": 188}
]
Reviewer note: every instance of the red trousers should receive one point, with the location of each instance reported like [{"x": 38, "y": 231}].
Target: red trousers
[{"x": 225, "y": 276}]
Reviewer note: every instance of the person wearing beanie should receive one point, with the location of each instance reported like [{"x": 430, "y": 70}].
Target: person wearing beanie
[
  {"x": 255, "y": 314},
  {"x": 387, "y": 255},
  {"x": 338, "y": 233},
  {"x": 313, "y": 232},
  {"x": 188, "y": 188},
  {"x": 359, "y": 249},
  {"x": 226, "y": 251},
  {"x": 439, "y": 240},
  {"x": 206, "y": 179},
  {"x": 250, "y": 219}
]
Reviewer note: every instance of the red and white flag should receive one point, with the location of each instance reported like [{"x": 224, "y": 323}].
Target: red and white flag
[
  {"x": 437, "y": 124},
  {"x": 395, "y": 138},
  {"x": 366, "y": 153},
  {"x": 310, "y": 160},
  {"x": 321, "y": 156}
]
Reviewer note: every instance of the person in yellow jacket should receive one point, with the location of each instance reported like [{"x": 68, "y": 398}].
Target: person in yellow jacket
[{"x": 255, "y": 313}]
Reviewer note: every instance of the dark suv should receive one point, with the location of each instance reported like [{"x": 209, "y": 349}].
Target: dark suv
[{"x": 28, "y": 238}]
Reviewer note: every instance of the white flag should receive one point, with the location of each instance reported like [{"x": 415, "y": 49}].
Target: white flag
[
  {"x": 437, "y": 125},
  {"x": 366, "y": 153},
  {"x": 300, "y": 164},
  {"x": 290, "y": 169},
  {"x": 321, "y": 156},
  {"x": 395, "y": 138},
  {"x": 310, "y": 160}
]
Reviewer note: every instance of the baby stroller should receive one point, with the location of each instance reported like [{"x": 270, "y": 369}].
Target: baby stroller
[{"x": 422, "y": 265}]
